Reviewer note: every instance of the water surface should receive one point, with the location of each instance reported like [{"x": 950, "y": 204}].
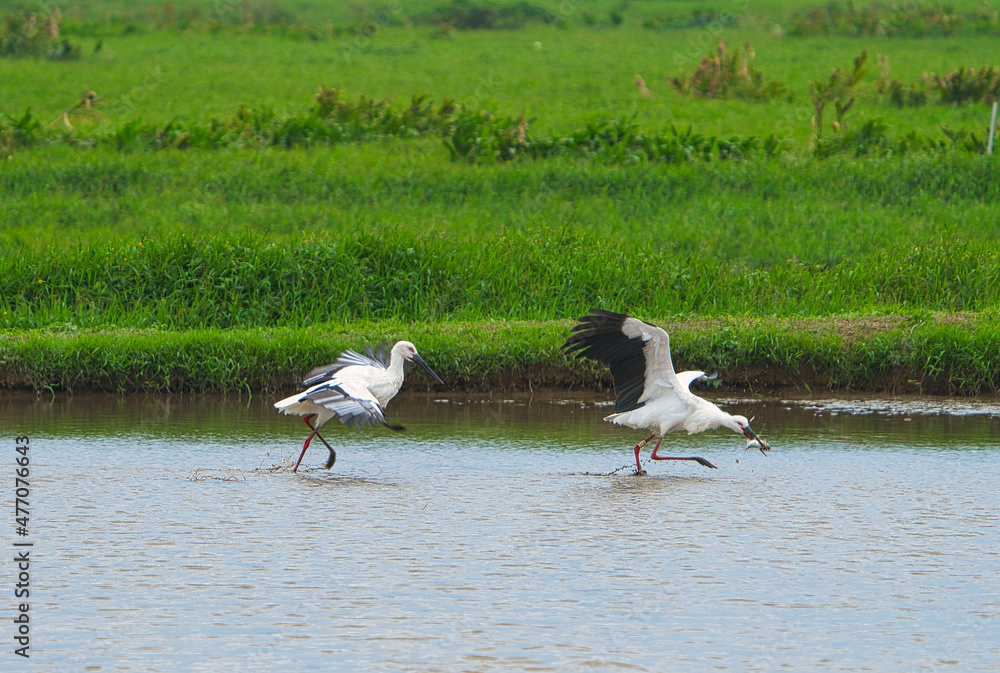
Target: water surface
[{"x": 169, "y": 535}]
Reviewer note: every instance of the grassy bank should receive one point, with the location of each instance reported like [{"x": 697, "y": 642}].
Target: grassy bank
[
  {"x": 206, "y": 222},
  {"x": 190, "y": 284},
  {"x": 128, "y": 272},
  {"x": 929, "y": 354}
]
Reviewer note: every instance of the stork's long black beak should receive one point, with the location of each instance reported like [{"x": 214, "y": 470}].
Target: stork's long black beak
[{"x": 420, "y": 361}]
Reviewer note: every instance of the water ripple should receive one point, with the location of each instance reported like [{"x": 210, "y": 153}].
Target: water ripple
[{"x": 477, "y": 544}]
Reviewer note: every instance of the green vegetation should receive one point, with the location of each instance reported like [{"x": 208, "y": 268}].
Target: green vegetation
[
  {"x": 568, "y": 81},
  {"x": 21, "y": 36},
  {"x": 466, "y": 15},
  {"x": 728, "y": 75},
  {"x": 968, "y": 85},
  {"x": 247, "y": 283},
  {"x": 207, "y": 221},
  {"x": 467, "y": 134},
  {"x": 920, "y": 353},
  {"x": 889, "y": 20}
]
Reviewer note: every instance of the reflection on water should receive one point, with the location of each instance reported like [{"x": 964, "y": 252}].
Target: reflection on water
[{"x": 171, "y": 536}]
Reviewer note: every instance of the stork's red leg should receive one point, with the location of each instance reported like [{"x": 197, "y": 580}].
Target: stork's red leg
[
  {"x": 701, "y": 461},
  {"x": 308, "y": 439},
  {"x": 638, "y": 466}
]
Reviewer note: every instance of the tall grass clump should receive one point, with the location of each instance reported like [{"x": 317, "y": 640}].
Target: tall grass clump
[
  {"x": 725, "y": 74},
  {"x": 890, "y": 20},
  {"x": 24, "y": 34},
  {"x": 969, "y": 85},
  {"x": 958, "y": 87},
  {"x": 697, "y": 18},
  {"x": 471, "y": 15},
  {"x": 838, "y": 90}
]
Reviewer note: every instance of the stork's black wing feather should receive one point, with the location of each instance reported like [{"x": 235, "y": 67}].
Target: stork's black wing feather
[
  {"x": 599, "y": 336},
  {"x": 322, "y": 373}
]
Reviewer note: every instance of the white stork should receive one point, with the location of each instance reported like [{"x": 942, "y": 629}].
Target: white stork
[
  {"x": 649, "y": 394},
  {"x": 355, "y": 389}
]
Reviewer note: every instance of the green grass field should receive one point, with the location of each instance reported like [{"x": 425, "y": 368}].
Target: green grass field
[{"x": 140, "y": 254}]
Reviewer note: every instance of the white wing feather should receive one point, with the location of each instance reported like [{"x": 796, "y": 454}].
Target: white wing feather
[
  {"x": 348, "y": 358},
  {"x": 349, "y": 400},
  {"x": 687, "y": 378},
  {"x": 660, "y": 376}
]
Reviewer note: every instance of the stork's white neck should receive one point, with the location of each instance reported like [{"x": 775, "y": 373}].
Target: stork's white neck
[
  {"x": 386, "y": 384},
  {"x": 395, "y": 367},
  {"x": 709, "y": 416}
]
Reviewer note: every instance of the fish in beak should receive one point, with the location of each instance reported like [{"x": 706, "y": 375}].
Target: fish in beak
[{"x": 756, "y": 442}]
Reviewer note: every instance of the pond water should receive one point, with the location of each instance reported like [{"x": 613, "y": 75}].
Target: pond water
[{"x": 169, "y": 534}]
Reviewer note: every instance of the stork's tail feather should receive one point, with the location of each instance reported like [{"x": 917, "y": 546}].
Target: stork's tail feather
[
  {"x": 360, "y": 421},
  {"x": 289, "y": 406}
]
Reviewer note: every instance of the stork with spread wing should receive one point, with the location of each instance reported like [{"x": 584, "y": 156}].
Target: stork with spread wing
[
  {"x": 354, "y": 389},
  {"x": 650, "y": 394}
]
